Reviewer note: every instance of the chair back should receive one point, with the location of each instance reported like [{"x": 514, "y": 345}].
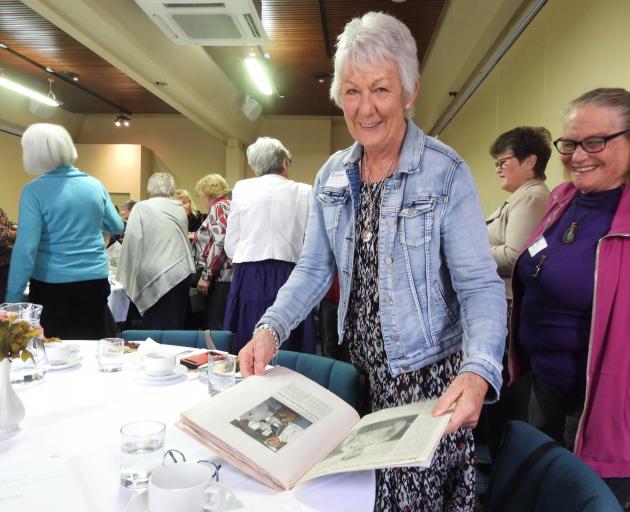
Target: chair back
[
  {"x": 534, "y": 474},
  {"x": 223, "y": 340},
  {"x": 341, "y": 378}
]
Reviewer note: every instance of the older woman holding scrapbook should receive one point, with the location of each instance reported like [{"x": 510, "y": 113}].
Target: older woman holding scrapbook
[{"x": 421, "y": 305}]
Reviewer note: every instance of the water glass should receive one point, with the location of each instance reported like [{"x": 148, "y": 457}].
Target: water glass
[
  {"x": 110, "y": 354},
  {"x": 221, "y": 373},
  {"x": 141, "y": 451}
]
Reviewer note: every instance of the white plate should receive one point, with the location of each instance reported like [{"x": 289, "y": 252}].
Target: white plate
[
  {"x": 72, "y": 361},
  {"x": 144, "y": 378},
  {"x": 140, "y": 502}
]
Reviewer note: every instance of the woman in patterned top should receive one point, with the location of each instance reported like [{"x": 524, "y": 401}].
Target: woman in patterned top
[
  {"x": 210, "y": 258},
  {"x": 7, "y": 240},
  {"x": 421, "y": 305}
]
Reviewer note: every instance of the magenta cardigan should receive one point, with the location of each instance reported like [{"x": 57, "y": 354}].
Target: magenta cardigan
[{"x": 603, "y": 436}]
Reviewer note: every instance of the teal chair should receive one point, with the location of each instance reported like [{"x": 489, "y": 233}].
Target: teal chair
[
  {"x": 343, "y": 379},
  {"x": 533, "y": 473},
  {"x": 223, "y": 340}
]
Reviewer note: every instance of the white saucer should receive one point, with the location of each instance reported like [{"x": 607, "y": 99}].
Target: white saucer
[
  {"x": 72, "y": 361},
  {"x": 140, "y": 502},
  {"x": 143, "y": 378}
]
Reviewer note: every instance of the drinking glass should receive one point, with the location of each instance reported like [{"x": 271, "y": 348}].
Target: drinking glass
[
  {"x": 141, "y": 451},
  {"x": 32, "y": 369},
  {"x": 110, "y": 354},
  {"x": 221, "y": 373}
]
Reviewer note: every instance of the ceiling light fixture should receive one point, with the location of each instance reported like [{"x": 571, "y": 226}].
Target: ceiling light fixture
[
  {"x": 72, "y": 76},
  {"x": 49, "y": 100},
  {"x": 122, "y": 120},
  {"x": 258, "y": 73}
]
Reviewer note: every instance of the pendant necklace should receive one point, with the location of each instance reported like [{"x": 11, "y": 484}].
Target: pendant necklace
[
  {"x": 568, "y": 237},
  {"x": 374, "y": 193}
]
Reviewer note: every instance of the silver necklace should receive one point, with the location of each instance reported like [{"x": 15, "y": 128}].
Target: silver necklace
[{"x": 374, "y": 188}]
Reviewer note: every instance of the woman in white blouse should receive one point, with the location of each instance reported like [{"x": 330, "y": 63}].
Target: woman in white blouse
[{"x": 264, "y": 239}]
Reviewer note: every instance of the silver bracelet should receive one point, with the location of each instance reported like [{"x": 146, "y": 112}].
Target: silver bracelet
[{"x": 274, "y": 334}]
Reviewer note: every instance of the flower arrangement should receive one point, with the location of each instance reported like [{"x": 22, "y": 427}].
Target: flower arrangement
[{"x": 14, "y": 337}]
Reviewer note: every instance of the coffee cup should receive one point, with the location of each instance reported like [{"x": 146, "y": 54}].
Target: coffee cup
[
  {"x": 57, "y": 352},
  {"x": 158, "y": 365},
  {"x": 182, "y": 486}
]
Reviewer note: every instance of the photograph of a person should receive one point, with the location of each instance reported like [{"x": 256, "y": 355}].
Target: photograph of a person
[
  {"x": 272, "y": 423},
  {"x": 371, "y": 435}
]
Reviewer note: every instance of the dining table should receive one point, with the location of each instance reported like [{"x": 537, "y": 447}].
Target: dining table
[{"x": 66, "y": 454}]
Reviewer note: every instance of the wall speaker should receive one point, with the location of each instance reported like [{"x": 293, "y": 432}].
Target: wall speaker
[{"x": 251, "y": 108}]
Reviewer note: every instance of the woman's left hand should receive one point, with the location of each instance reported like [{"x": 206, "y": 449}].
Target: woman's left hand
[
  {"x": 202, "y": 286},
  {"x": 466, "y": 394}
]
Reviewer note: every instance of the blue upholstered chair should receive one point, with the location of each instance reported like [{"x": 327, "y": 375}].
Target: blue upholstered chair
[
  {"x": 534, "y": 474},
  {"x": 341, "y": 378}
]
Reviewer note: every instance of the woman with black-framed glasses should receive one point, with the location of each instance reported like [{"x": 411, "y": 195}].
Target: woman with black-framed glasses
[{"x": 571, "y": 310}]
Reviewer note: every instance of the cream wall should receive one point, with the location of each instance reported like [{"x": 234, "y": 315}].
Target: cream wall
[
  {"x": 179, "y": 146},
  {"x": 572, "y": 46}
]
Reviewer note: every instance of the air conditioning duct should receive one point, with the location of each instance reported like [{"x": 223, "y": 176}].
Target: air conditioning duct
[{"x": 207, "y": 23}]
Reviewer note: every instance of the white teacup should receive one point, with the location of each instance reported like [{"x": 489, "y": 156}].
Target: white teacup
[
  {"x": 158, "y": 365},
  {"x": 57, "y": 352},
  {"x": 180, "y": 486}
]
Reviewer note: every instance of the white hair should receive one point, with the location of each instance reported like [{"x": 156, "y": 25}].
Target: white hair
[
  {"x": 45, "y": 147},
  {"x": 267, "y": 156},
  {"x": 161, "y": 184},
  {"x": 376, "y": 38}
]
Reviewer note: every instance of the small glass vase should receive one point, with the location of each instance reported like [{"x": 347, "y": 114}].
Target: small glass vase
[
  {"x": 35, "y": 368},
  {"x": 11, "y": 406}
]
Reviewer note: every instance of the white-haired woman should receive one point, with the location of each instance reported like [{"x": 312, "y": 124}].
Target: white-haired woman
[
  {"x": 59, "y": 246},
  {"x": 213, "y": 264},
  {"x": 264, "y": 239},
  {"x": 156, "y": 262},
  {"x": 421, "y": 305}
]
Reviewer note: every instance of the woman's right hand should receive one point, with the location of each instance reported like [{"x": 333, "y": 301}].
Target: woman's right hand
[{"x": 255, "y": 356}]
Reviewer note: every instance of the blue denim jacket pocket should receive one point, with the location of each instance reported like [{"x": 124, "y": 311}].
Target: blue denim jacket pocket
[
  {"x": 416, "y": 221},
  {"x": 445, "y": 307},
  {"x": 332, "y": 200}
]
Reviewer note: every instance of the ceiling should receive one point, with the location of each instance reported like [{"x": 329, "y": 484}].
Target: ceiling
[{"x": 123, "y": 57}]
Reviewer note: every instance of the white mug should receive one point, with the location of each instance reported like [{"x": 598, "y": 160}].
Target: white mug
[
  {"x": 157, "y": 365},
  {"x": 57, "y": 353},
  {"x": 180, "y": 486}
]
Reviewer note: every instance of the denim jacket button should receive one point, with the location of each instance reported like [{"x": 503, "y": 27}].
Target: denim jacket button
[
  {"x": 395, "y": 337},
  {"x": 405, "y": 367},
  {"x": 389, "y": 260},
  {"x": 391, "y": 221},
  {"x": 397, "y": 184}
]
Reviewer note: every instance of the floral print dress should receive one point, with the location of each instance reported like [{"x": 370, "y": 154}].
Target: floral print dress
[{"x": 449, "y": 483}]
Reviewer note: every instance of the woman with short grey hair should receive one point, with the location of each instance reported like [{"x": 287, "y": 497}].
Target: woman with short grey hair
[
  {"x": 268, "y": 156},
  {"x": 397, "y": 218},
  {"x": 59, "y": 246},
  {"x": 156, "y": 262},
  {"x": 264, "y": 238}
]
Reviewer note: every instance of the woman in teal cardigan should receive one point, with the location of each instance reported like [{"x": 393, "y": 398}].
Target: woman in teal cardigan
[{"x": 59, "y": 247}]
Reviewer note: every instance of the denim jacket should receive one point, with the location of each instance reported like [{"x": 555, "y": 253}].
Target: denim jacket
[{"x": 439, "y": 291}]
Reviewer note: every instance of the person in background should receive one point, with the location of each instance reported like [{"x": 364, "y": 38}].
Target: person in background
[
  {"x": 396, "y": 216},
  {"x": 7, "y": 240},
  {"x": 571, "y": 315},
  {"x": 126, "y": 208},
  {"x": 192, "y": 214},
  {"x": 264, "y": 239},
  {"x": 211, "y": 260},
  {"x": 59, "y": 245},
  {"x": 521, "y": 157},
  {"x": 156, "y": 263}
]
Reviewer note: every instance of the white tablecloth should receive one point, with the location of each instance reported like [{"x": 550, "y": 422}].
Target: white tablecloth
[{"x": 66, "y": 455}]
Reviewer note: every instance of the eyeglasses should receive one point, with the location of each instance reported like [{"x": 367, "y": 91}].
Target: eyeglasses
[
  {"x": 498, "y": 164},
  {"x": 590, "y": 145}
]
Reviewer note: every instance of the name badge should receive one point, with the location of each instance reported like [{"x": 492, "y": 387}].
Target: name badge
[
  {"x": 537, "y": 246},
  {"x": 337, "y": 179}
]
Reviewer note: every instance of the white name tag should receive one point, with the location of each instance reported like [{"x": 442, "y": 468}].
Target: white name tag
[
  {"x": 537, "y": 246},
  {"x": 337, "y": 179}
]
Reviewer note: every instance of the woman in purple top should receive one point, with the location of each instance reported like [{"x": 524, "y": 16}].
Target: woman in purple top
[{"x": 571, "y": 314}]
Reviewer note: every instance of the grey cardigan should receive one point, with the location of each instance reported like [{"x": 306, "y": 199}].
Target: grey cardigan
[
  {"x": 155, "y": 255},
  {"x": 512, "y": 223}
]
